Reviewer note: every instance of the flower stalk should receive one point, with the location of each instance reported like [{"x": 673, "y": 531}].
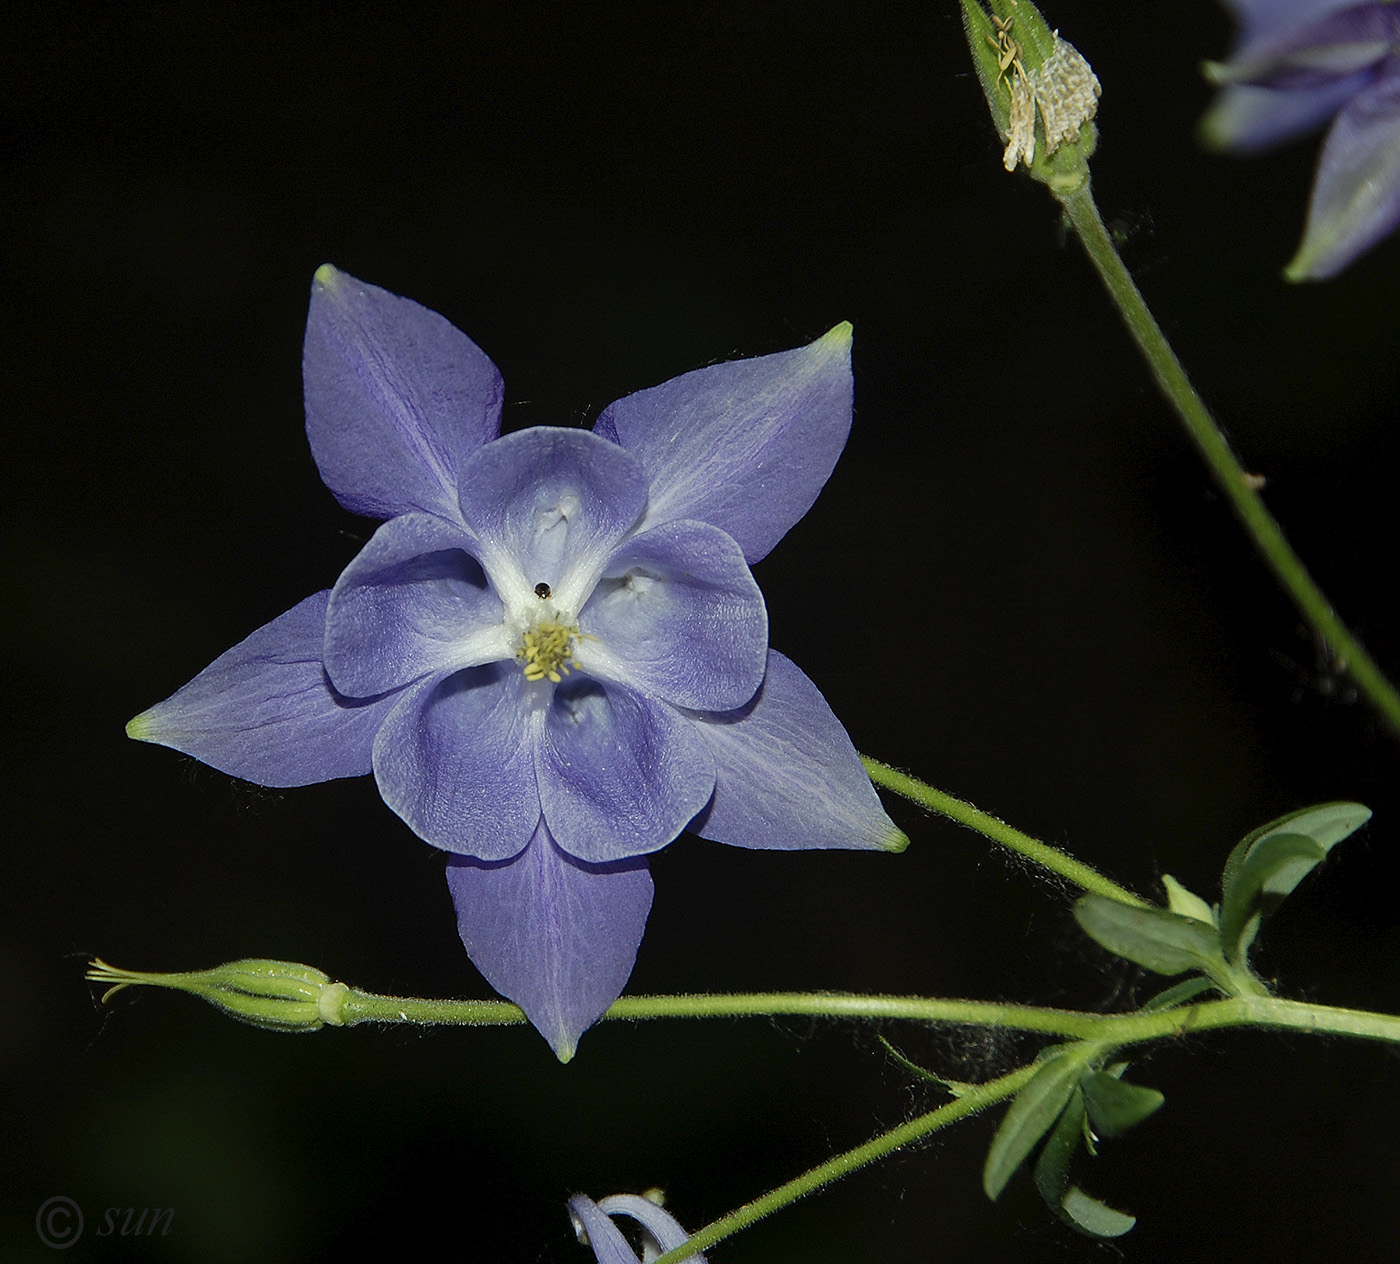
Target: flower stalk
[
  {"x": 1241, "y": 488},
  {"x": 1047, "y": 857},
  {"x": 1106, "y": 1032},
  {"x": 1013, "y": 46},
  {"x": 978, "y": 1099},
  {"x": 343, "y": 1006}
]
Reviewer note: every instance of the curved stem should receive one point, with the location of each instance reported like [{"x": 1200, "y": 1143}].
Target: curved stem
[
  {"x": 1240, "y": 489},
  {"x": 984, "y": 823}
]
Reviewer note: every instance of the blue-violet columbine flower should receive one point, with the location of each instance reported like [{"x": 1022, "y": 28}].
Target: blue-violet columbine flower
[
  {"x": 593, "y": 1223},
  {"x": 552, "y": 656},
  {"x": 1298, "y": 64}
]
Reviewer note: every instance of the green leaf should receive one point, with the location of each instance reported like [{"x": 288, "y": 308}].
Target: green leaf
[
  {"x": 1070, "y": 1203},
  {"x": 1052, "y": 1165},
  {"x": 1272, "y": 862},
  {"x": 1114, "y": 1105},
  {"x": 1327, "y": 824},
  {"x": 1177, "y": 994},
  {"x": 1090, "y": 1216},
  {"x": 1165, "y": 942},
  {"x": 1032, "y": 1112}
]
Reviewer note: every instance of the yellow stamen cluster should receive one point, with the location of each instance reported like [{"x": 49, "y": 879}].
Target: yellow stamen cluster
[{"x": 547, "y": 651}]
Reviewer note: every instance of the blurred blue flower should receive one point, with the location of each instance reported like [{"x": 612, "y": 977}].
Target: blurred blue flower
[
  {"x": 552, "y": 656},
  {"x": 1298, "y": 64},
  {"x": 594, "y": 1225}
]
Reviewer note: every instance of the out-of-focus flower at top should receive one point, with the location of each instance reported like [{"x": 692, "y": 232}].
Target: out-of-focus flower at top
[
  {"x": 1298, "y": 64},
  {"x": 552, "y": 656},
  {"x": 593, "y": 1222}
]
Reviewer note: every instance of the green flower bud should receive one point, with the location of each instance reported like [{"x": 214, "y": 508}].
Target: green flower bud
[
  {"x": 1042, "y": 94},
  {"x": 277, "y": 995}
]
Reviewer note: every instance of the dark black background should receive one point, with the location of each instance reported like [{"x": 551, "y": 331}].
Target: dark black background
[{"x": 1019, "y": 584}]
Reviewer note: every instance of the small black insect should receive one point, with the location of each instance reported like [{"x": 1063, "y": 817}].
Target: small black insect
[{"x": 541, "y": 590}]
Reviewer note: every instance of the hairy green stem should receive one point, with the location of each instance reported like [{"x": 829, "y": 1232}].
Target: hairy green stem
[
  {"x": 286, "y": 996},
  {"x": 1032, "y": 849},
  {"x": 1114, "y": 1029},
  {"x": 841, "y": 1165},
  {"x": 1108, "y": 1032},
  {"x": 1240, "y": 489}
]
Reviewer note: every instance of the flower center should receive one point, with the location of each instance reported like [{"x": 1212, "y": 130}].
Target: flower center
[
  {"x": 547, "y": 643},
  {"x": 547, "y": 650}
]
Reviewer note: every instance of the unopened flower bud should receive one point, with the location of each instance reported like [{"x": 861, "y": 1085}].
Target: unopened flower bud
[{"x": 277, "y": 995}]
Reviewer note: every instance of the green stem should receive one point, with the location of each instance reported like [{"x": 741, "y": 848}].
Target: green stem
[
  {"x": 1113, "y": 1029},
  {"x": 1240, "y": 489},
  {"x": 1108, "y": 1031},
  {"x": 304, "y": 999},
  {"x": 841, "y": 1165},
  {"x": 1033, "y": 849}
]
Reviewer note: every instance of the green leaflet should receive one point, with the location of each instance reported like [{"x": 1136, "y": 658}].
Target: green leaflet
[
  {"x": 1033, "y": 1111},
  {"x": 1090, "y": 1216},
  {"x": 1129, "y": 1104},
  {"x": 1167, "y": 943},
  {"x": 1114, "y": 1105},
  {"x": 1270, "y": 862}
]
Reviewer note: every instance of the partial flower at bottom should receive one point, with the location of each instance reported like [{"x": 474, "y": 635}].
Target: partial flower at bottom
[
  {"x": 552, "y": 655},
  {"x": 595, "y": 1227}
]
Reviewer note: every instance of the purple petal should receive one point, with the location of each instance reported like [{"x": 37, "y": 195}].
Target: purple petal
[
  {"x": 1261, "y": 17},
  {"x": 455, "y": 760},
  {"x": 555, "y": 935},
  {"x": 678, "y": 615},
  {"x": 396, "y": 398},
  {"x": 657, "y": 1221},
  {"x": 413, "y": 601},
  {"x": 787, "y": 776},
  {"x": 1308, "y": 54},
  {"x": 619, "y": 774},
  {"x": 550, "y": 505},
  {"x": 1356, "y": 196},
  {"x": 266, "y": 712},
  {"x": 595, "y": 1230},
  {"x": 1248, "y": 119},
  {"x": 745, "y": 446}
]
